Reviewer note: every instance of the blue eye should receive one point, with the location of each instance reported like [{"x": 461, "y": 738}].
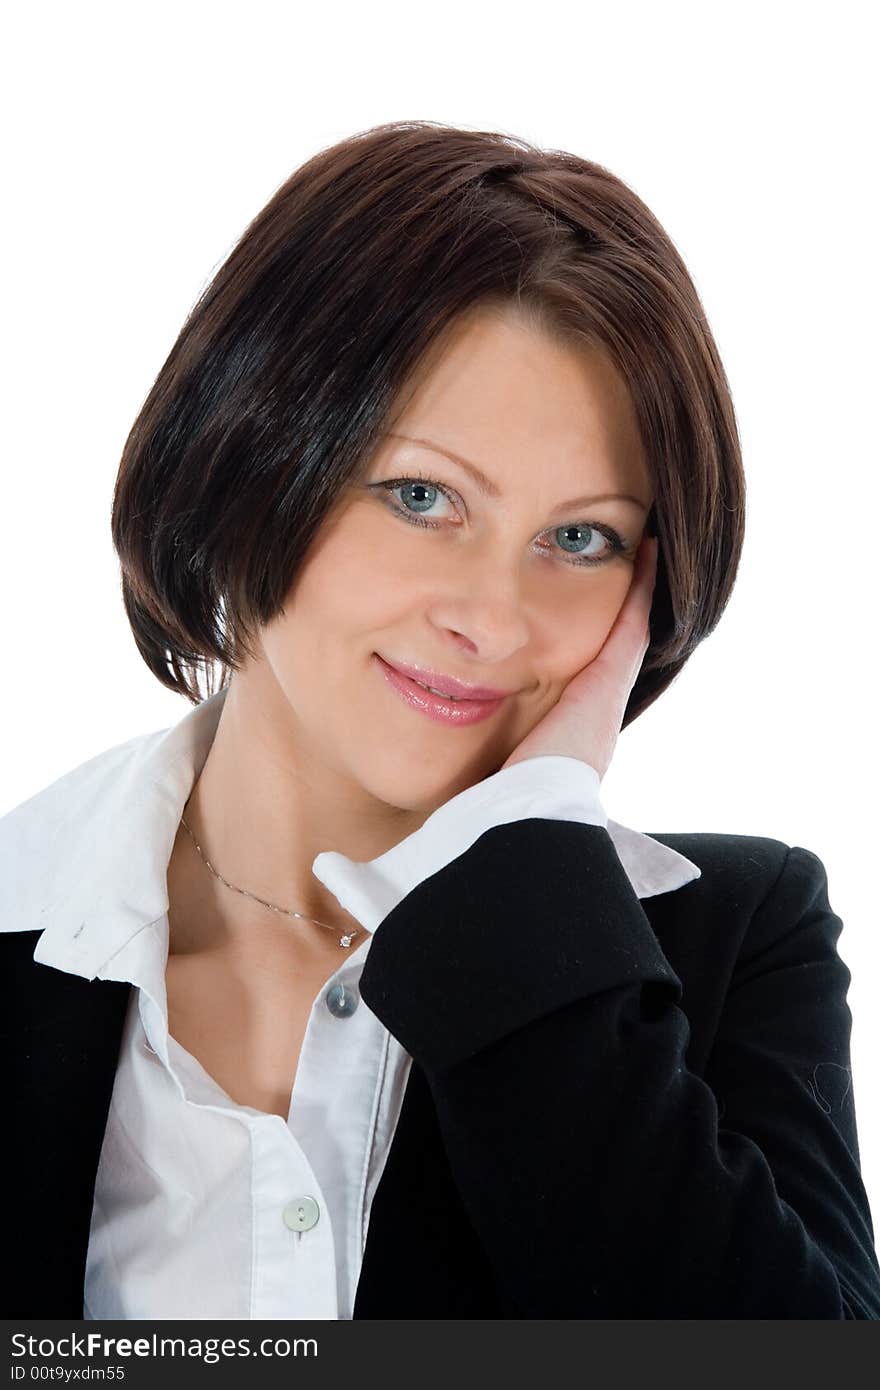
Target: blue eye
[{"x": 422, "y": 493}]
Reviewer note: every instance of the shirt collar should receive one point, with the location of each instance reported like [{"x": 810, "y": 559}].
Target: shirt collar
[{"x": 86, "y": 858}]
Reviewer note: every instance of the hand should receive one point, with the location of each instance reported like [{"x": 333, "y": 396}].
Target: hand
[{"x": 585, "y": 721}]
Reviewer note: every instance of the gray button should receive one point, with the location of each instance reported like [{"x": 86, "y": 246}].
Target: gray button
[
  {"x": 341, "y": 1001},
  {"x": 301, "y": 1214}
]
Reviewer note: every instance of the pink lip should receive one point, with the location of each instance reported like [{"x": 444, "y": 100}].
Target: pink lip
[
  {"x": 437, "y": 707},
  {"x": 448, "y": 684}
]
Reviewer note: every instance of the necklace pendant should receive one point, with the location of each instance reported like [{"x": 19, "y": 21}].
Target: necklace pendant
[{"x": 345, "y": 940}]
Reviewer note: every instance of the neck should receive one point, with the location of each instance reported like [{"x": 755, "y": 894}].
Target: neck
[{"x": 262, "y": 809}]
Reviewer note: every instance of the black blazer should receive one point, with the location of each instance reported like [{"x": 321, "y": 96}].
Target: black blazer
[{"x": 616, "y": 1109}]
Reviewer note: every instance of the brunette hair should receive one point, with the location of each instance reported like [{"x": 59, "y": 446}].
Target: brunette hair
[{"x": 278, "y": 387}]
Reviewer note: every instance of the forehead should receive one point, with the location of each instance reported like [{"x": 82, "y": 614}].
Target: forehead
[{"x": 499, "y": 389}]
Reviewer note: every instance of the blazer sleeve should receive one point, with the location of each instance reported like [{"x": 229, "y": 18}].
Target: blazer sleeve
[
  {"x": 552, "y": 785},
  {"x": 526, "y": 980}
]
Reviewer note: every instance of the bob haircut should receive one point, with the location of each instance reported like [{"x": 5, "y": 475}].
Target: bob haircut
[{"x": 282, "y": 379}]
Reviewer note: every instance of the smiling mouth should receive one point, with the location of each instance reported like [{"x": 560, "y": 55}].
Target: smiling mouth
[
  {"x": 453, "y": 688},
  {"x": 455, "y": 711}
]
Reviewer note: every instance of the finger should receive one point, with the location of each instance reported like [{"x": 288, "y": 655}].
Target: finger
[
  {"x": 647, "y": 579},
  {"x": 636, "y": 610},
  {"x": 626, "y": 644}
]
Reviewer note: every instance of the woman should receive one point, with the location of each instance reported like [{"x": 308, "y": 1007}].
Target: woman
[{"x": 343, "y": 997}]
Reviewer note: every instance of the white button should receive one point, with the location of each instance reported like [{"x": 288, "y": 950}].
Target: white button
[
  {"x": 301, "y": 1214},
  {"x": 340, "y": 1001}
]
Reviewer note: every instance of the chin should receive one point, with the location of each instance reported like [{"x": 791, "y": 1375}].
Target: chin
[{"x": 421, "y": 794}]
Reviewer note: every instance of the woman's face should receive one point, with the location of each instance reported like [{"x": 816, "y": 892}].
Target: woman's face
[{"x": 490, "y": 594}]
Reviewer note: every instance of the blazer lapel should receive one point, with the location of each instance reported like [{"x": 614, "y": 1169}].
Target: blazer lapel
[{"x": 67, "y": 1032}]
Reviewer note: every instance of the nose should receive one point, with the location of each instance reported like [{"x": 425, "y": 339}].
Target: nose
[{"x": 483, "y": 606}]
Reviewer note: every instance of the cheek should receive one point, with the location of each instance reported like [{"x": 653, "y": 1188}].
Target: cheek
[
  {"x": 371, "y": 570},
  {"x": 345, "y": 586},
  {"x": 574, "y": 631}
]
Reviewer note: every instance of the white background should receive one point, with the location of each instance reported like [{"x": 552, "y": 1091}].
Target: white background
[{"x": 140, "y": 140}]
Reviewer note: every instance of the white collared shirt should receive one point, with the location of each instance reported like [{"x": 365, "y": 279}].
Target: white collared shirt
[{"x": 205, "y": 1208}]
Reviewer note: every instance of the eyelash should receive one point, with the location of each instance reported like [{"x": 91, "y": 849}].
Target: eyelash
[{"x": 618, "y": 544}]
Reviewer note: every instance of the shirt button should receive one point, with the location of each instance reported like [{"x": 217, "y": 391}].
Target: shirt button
[
  {"x": 301, "y": 1214},
  {"x": 340, "y": 1001}
]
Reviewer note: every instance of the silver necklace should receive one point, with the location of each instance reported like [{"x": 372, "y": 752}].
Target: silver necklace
[{"x": 345, "y": 940}]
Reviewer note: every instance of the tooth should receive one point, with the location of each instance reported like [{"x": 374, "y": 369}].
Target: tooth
[{"x": 437, "y": 692}]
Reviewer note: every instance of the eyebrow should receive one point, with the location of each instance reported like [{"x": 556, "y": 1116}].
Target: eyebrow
[{"x": 490, "y": 489}]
